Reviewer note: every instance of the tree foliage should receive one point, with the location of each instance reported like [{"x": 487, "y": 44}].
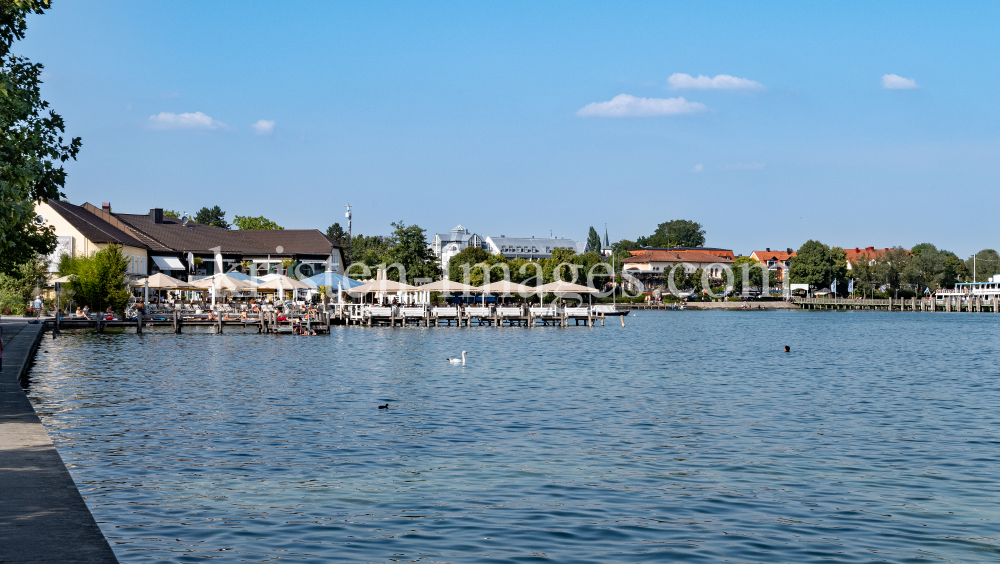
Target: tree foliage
[
  {"x": 32, "y": 148},
  {"x": 564, "y": 264},
  {"x": 817, "y": 264},
  {"x": 337, "y": 234},
  {"x": 593, "y": 240},
  {"x": 755, "y": 275},
  {"x": 18, "y": 287},
  {"x": 172, "y": 213},
  {"x": 370, "y": 250},
  {"x": 677, "y": 233},
  {"x": 99, "y": 279},
  {"x": 986, "y": 264},
  {"x": 953, "y": 271},
  {"x": 406, "y": 246},
  {"x": 409, "y": 248},
  {"x": 215, "y": 217},
  {"x": 260, "y": 222}
]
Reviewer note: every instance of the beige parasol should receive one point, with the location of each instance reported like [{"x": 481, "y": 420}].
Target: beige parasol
[
  {"x": 162, "y": 281},
  {"x": 381, "y": 286},
  {"x": 506, "y": 287},
  {"x": 448, "y": 286},
  {"x": 283, "y": 282},
  {"x": 560, "y": 287},
  {"x": 221, "y": 282}
]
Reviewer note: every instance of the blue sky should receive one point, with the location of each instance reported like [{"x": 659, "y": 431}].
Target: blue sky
[{"x": 492, "y": 115}]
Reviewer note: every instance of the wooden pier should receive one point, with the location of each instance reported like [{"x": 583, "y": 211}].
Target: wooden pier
[
  {"x": 269, "y": 320},
  {"x": 954, "y": 303}
]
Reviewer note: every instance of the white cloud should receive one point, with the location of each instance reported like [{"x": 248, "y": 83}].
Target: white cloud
[
  {"x": 698, "y": 168},
  {"x": 745, "y": 166},
  {"x": 263, "y": 127},
  {"x": 197, "y": 120},
  {"x": 896, "y": 82},
  {"x": 680, "y": 80},
  {"x": 624, "y": 105}
]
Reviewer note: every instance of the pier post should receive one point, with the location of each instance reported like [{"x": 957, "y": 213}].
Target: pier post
[
  {"x": 138, "y": 323},
  {"x": 100, "y": 322},
  {"x": 220, "y": 324}
]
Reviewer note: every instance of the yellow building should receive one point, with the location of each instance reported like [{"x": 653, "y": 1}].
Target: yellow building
[{"x": 81, "y": 232}]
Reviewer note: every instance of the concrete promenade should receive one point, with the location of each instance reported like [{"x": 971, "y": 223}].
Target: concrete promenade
[{"x": 43, "y": 517}]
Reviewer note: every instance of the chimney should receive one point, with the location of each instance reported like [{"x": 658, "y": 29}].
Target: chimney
[
  {"x": 788, "y": 250},
  {"x": 156, "y": 215},
  {"x": 106, "y": 206},
  {"x": 769, "y": 249}
]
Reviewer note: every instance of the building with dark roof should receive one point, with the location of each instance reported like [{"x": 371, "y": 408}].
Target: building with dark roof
[{"x": 177, "y": 247}]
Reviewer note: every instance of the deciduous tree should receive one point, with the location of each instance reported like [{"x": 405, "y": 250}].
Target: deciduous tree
[
  {"x": 260, "y": 222},
  {"x": 986, "y": 264},
  {"x": 99, "y": 279},
  {"x": 409, "y": 248},
  {"x": 32, "y": 148},
  {"x": 678, "y": 233}
]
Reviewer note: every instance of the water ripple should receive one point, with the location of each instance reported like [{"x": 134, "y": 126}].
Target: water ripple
[{"x": 687, "y": 437}]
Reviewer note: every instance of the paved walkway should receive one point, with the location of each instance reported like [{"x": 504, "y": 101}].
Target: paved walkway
[{"x": 43, "y": 517}]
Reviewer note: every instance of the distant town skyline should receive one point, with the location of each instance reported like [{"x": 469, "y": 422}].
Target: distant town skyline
[{"x": 853, "y": 124}]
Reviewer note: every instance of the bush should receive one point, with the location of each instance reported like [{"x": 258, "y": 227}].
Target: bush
[{"x": 100, "y": 278}]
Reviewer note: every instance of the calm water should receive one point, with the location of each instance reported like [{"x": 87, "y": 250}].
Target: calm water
[{"x": 686, "y": 437}]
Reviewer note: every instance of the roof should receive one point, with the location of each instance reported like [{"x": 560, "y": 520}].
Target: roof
[
  {"x": 539, "y": 243},
  {"x": 870, "y": 252},
  {"x": 724, "y": 253},
  {"x": 292, "y": 241},
  {"x": 675, "y": 256},
  {"x": 91, "y": 226},
  {"x": 772, "y": 255},
  {"x": 173, "y": 236}
]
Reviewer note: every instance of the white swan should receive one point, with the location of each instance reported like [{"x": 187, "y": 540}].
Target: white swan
[{"x": 458, "y": 360}]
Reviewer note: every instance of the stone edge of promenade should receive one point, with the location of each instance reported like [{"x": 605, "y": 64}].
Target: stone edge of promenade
[{"x": 43, "y": 517}]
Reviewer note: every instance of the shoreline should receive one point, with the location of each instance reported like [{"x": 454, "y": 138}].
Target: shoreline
[{"x": 43, "y": 517}]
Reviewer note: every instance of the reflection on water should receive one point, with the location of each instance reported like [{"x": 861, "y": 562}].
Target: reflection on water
[{"x": 687, "y": 436}]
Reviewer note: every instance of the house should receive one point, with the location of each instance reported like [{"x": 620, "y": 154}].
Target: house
[
  {"x": 856, "y": 254},
  {"x": 531, "y": 247},
  {"x": 778, "y": 261},
  {"x": 159, "y": 243},
  {"x": 654, "y": 264},
  {"x": 446, "y": 245},
  {"x": 79, "y": 232}
]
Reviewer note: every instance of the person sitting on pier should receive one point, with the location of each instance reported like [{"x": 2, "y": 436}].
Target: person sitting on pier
[
  {"x": 79, "y": 313},
  {"x": 86, "y": 311},
  {"x": 211, "y": 315},
  {"x": 109, "y": 315},
  {"x": 243, "y": 316}
]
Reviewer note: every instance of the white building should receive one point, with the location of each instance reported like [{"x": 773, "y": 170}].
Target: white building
[
  {"x": 447, "y": 245},
  {"x": 531, "y": 247}
]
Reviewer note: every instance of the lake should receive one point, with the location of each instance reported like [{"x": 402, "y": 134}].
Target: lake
[{"x": 685, "y": 437}]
